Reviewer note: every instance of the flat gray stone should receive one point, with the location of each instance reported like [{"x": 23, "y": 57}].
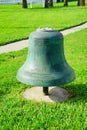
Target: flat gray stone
[{"x": 56, "y": 94}]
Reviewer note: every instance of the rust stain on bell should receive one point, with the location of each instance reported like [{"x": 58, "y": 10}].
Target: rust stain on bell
[{"x": 46, "y": 64}]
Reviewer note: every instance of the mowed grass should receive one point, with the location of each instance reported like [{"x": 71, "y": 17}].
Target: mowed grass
[
  {"x": 17, "y": 23},
  {"x": 18, "y": 113}
]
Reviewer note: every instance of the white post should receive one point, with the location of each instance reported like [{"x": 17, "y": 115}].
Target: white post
[
  {"x": 31, "y": 3},
  {"x": 43, "y": 1}
]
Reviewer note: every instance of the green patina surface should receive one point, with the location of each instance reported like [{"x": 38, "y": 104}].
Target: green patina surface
[{"x": 45, "y": 64}]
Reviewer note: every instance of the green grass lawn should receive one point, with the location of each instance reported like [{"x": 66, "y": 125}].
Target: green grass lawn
[
  {"x": 20, "y": 114},
  {"x": 17, "y": 23}
]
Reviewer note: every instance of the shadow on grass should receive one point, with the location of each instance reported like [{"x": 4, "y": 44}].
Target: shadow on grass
[{"x": 78, "y": 92}]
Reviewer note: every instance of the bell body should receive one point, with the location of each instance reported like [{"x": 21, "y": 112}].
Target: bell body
[{"x": 46, "y": 64}]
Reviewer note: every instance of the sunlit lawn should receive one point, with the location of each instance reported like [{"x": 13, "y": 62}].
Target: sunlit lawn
[
  {"x": 19, "y": 114},
  {"x": 17, "y": 23}
]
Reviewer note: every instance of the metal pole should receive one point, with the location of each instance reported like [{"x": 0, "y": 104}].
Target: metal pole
[{"x": 45, "y": 90}]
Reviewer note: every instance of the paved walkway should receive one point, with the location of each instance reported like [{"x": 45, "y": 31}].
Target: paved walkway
[{"x": 24, "y": 43}]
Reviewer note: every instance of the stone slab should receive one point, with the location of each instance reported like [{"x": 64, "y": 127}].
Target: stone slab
[{"x": 56, "y": 94}]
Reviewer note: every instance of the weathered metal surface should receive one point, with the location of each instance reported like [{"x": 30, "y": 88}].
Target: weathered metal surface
[{"x": 46, "y": 64}]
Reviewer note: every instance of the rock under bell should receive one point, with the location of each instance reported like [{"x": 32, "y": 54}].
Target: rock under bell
[{"x": 46, "y": 64}]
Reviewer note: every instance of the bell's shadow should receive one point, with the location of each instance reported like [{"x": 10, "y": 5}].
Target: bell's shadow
[{"x": 72, "y": 93}]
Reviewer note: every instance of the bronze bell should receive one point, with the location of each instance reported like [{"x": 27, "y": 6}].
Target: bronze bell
[{"x": 46, "y": 64}]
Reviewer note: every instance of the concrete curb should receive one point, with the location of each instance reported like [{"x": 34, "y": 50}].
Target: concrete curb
[{"x": 24, "y": 43}]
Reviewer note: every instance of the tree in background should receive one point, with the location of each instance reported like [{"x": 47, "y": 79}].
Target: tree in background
[
  {"x": 24, "y": 3},
  {"x": 81, "y": 3},
  {"x": 51, "y": 3},
  {"x": 65, "y": 2},
  {"x": 48, "y": 3}
]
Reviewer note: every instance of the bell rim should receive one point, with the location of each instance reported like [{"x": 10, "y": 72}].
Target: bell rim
[{"x": 51, "y": 82}]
